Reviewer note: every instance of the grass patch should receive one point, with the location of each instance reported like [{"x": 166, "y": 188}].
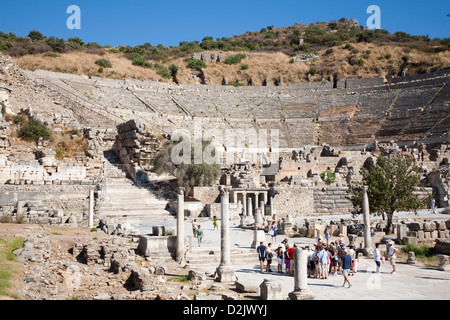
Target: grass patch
[
  {"x": 7, "y": 257},
  {"x": 420, "y": 252},
  {"x": 180, "y": 279}
]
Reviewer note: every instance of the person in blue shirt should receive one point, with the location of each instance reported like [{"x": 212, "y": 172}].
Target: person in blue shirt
[
  {"x": 262, "y": 253},
  {"x": 346, "y": 267}
]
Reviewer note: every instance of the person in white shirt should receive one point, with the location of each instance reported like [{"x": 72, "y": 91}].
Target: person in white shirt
[
  {"x": 195, "y": 228},
  {"x": 377, "y": 257},
  {"x": 283, "y": 250},
  {"x": 392, "y": 255}
]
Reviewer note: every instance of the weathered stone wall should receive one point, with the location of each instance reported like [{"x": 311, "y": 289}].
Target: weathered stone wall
[
  {"x": 331, "y": 201},
  {"x": 135, "y": 149},
  {"x": 207, "y": 194},
  {"x": 295, "y": 201}
]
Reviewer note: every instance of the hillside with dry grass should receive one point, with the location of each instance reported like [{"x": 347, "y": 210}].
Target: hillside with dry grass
[{"x": 345, "y": 50}]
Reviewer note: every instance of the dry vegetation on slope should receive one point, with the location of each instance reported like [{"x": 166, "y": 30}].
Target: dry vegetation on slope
[{"x": 346, "y": 50}]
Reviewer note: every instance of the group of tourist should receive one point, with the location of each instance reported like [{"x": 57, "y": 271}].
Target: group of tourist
[{"x": 324, "y": 258}]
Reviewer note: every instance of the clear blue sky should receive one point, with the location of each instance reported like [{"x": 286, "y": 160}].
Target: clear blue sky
[{"x": 135, "y": 22}]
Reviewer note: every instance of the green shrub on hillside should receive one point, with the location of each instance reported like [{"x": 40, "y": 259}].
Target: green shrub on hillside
[
  {"x": 105, "y": 63},
  {"x": 34, "y": 130},
  {"x": 196, "y": 64},
  {"x": 139, "y": 60},
  {"x": 234, "y": 59}
]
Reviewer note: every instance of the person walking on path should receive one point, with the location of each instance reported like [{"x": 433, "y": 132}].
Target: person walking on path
[
  {"x": 283, "y": 249},
  {"x": 323, "y": 263},
  {"x": 319, "y": 238},
  {"x": 346, "y": 267},
  {"x": 377, "y": 257},
  {"x": 433, "y": 205},
  {"x": 216, "y": 223},
  {"x": 269, "y": 255},
  {"x": 287, "y": 259},
  {"x": 280, "y": 259},
  {"x": 351, "y": 253},
  {"x": 392, "y": 256},
  {"x": 262, "y": 254},
  {"x": 312, "y": 263},
  {"x": 334, "y": 259},
  {"x": 328, "y": 234},
  {"x": 194, "y": 228},
  {"x": 200, "y": 235},
  {"x": 273, "y": 231}
]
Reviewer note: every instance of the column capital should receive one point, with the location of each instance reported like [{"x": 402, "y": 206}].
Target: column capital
[
  {"x": 180, "y": 190},
  {"x": 224, "y": 190}
]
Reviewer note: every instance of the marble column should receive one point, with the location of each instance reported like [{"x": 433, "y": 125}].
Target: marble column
[
  {"x": 180, "y": 226},
  {"x": 272, "y": 212},
  {"x": 244, "y": 202},
  {"x": 368, "y": 249},
  {"x": 225, "y": 272},
  {"x": 263, "y": 208},
  {"x": 256, "y": 200},
  {"x": 301, "y": 290},
  {"x": 250, "y": 207},
  {"x": 91, "y": 209}
]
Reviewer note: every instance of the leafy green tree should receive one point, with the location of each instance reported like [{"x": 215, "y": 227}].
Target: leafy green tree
[
  {"x": 187, "y": 175},
  {"x": 391, "y": 183},
  {"x": 35, "y": 35}
]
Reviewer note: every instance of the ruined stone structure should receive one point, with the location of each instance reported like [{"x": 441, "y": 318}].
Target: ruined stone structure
[{"x": 336, "y": 126}]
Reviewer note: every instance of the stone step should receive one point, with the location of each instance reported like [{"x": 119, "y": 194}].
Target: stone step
[{"x": 236, "y": 258}]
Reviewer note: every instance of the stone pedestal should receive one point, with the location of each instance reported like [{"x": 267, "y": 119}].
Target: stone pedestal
[
  {"x": 444, "y": 263},
  {"x": 258, "y": 236},
  {"x": 258, "y": 218},
  {"x": 225, "y": 274},
  {"x": 270, "y": 290},
  {"x": 301, "y": 290},
  {"x": 411, "y": 258},
  {"x": 402, "y": 232}
]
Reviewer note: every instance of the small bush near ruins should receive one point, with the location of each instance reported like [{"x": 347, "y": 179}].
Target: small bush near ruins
[
  {"x": 234, "y": 59},
  {"x": 139, "y": 60},
  {"x": 420, "y": 252},
  {"x": 196, "y": 64},
  {"x": 328, "y": 177},
  {"x": 34, "y": 130},
  {"x": 105, "y": 63}
]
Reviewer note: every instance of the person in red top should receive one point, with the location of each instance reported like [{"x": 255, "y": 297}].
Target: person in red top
[{"x": 291, "y": 258}]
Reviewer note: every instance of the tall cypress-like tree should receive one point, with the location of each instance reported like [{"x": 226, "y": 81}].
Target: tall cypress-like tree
[{"x": 391, "y": 185}]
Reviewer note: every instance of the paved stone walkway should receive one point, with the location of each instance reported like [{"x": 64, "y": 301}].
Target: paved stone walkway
[{"x": 410, "y": 281}]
